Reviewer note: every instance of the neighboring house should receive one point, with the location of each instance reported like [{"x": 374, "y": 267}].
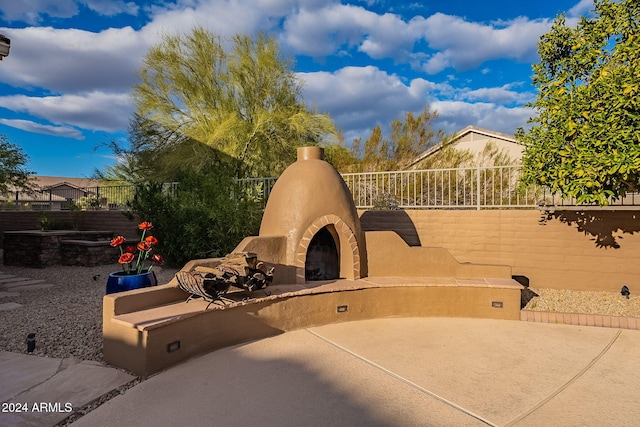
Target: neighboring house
[
  {"x": 53, "y": 193},
  {"x": 475, "y": 140},
  {"x": 34, "y": 201},
  {"x": 72, "y": 189}
]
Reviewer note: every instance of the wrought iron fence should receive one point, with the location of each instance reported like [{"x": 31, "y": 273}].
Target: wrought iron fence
[
  {"x": 461, "y": 188},
  {"x": 114, "y": 197},
  {"x": 257, "y": 189},
  {"x": 69, "y": 198},
  {"x": 495, "y": 187}
]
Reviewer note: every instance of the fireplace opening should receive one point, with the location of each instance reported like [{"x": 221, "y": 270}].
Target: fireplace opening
[{"x": 322, "y": 261}]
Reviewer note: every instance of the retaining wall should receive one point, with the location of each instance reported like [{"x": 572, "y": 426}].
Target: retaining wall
[
  {"x": 114, "y": 221},
  {"x": 582, "y": 250}
]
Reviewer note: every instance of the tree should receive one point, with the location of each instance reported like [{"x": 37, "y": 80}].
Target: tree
[
  {"x": 408, "y": 139},
  {"x": 585, "y": 139},
  {"x": 203, "y": 100},
  {"x": 13, "y": 172},
  {"x": 338, "y": 154},
  {"x": 153, "y": 153}
]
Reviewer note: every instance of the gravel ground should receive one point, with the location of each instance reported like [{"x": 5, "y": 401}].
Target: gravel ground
[
  {"x": 584, "y": 302},
  {"x": 67, "y": 318}
]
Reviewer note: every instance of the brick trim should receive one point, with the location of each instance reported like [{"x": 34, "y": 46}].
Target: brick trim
[
  {"x": 345, "y": 234},
  {"x": 599, "y": 320}
]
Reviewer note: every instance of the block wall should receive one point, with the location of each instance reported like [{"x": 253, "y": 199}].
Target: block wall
[
  {"x": 581, "y": 250},
  {"x": 114, "y": 221}
]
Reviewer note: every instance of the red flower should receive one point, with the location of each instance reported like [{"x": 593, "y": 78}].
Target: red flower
[
  {"x": 134, "y": 257},
  {"x": 126, "y": 258},
  {"x": 117, "y": 241},
  {"x": 151, "y": 240}
]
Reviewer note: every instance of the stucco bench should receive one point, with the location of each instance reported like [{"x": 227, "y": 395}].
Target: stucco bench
[{"x": 150, "y": 329}]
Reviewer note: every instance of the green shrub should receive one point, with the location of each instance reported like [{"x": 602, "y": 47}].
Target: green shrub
[{"x": 204, "y": 216}]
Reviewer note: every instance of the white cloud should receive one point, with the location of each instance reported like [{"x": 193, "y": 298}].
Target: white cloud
[
  {"x": 33, "y": 11},
  {"x": 76, "y": 60},
  {"x": 455, "y": 115},
  {"x": 581, "y": 8},
  {"x": 30, "y": 126},
  {"x": 361, "y": 97},
  {"x": 112, "y": 7},
  {"x": 499, "y": 95},
  {"x": 456, "y": 42},
  {"x": 92, "y": 111},
  {"x": 80, "y": 60},
  {"x": 464, "y": 45},
  {"x": 324, "y": 31},
  {"x": 224, "y": 17}
]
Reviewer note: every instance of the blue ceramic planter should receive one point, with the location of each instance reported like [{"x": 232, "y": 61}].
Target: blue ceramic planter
[{"x": 121, "y": 281}]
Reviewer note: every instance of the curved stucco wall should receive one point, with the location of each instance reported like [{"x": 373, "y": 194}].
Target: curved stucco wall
[{"x": 311, "y": 194}]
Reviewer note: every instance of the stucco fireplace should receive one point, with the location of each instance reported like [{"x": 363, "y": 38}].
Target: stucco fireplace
[{"x": 310, "y": 229}]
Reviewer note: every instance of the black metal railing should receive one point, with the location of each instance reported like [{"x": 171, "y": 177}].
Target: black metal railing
[{"x": 495, "y": 187}]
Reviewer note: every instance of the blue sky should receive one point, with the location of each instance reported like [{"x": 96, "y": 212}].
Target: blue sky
[{"x": 64, "y": 88}]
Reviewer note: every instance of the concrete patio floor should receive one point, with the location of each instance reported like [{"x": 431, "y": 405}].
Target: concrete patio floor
[{"x": 393, "y": 372}]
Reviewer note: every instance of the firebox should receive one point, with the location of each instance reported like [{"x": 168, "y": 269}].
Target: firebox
[{"x": 322, "y": 262}]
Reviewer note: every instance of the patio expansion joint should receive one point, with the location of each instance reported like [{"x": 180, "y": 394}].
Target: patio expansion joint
[
  {"x": 400, "y": 378},
  {"x": 568, "y": 383}
]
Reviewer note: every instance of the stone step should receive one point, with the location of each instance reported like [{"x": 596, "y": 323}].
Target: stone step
[
  {"x": 9, "y": 306},
  {"x": 5, "y": 276},
  {"x": 31, "y": 287},
  {"x": 16, "y": 285},
  {"x": 13, "y": 279},
  {"x": 9, "y": 294}
]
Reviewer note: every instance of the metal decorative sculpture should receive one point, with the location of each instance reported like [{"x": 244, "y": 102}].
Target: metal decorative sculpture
[{"x": 240, "y": 270}]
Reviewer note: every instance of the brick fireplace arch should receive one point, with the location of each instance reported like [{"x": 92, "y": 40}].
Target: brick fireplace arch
[{"x": 347, "y": 245}]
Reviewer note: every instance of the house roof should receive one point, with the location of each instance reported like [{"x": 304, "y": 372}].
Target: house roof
[
  {"x": 44, "y": 183},
  {"x": 461, "y": 134},
  {"x": 485, "y": 132},
  {"x": 47, "y": 182}
]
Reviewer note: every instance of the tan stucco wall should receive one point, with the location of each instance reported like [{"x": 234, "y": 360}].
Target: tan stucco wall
[
  {"x": 568, "y": 250},
  {"x": 138, "y": 342},
  {"x": 389, "y": 255}
]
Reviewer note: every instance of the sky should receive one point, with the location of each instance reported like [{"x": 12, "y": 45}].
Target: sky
[{"x": 65, "y": 86}]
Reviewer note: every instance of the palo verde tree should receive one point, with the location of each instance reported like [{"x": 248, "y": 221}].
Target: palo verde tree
[
  {"x": 585, "y": 139},
  {"x": 13, "y": 171},
  {"x": 156, "y": 154},
  {"x": 235, "y": 100}
]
